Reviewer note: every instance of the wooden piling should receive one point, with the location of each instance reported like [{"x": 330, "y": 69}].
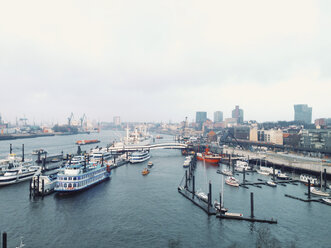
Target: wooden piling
[
  {"x": 308, "y": 188},
  {"x": 324, "y": 179},
  {"x": 193, "y": 186},
  {"x": 42, "y": 188},
  {"x": 252, "y": 205},
  {"x": 244, "y": 175},
  {"x": 4, "y": 240},
  {"x": 10, "y": 148},
  {"x": 22, "y": 152},
  {"x": 185, "y": 179}
]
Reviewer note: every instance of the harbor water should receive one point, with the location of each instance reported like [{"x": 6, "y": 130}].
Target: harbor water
[{"x": 132, "y": 210}]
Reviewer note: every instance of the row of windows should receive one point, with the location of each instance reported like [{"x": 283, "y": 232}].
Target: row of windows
[
  {"x": 80, "y": 184},
  {"x": 80, "y": 177}
]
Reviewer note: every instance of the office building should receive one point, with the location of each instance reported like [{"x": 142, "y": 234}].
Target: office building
[
  {"x": 201, "y": 117},
  {"x": 302, "y": 113},
  {"x": 238, "y": 114},
  {"x": 218, "y": 116}
]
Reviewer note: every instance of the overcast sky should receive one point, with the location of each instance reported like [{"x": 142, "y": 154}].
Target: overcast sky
[{"x": 156, "y": 60}]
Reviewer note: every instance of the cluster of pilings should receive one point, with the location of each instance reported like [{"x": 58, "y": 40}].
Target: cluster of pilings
[
  {"x": 37, "y": 187},
  {"x": 188, "y": 191}
]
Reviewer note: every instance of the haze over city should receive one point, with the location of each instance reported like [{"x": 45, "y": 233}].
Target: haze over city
[{"x": 163, "y": 60}]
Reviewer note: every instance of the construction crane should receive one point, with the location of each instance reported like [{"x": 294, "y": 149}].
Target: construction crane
[
  {"x": 82, "y": 120},
  {"x": 70, "y": 118}
]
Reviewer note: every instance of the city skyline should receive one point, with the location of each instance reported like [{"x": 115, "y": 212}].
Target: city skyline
[{"x": 161, "y": 61}]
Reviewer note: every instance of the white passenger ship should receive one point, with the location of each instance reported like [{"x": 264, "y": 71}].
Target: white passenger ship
[
  {"x": 19, "y": 172},
  {"x": 80, "y": 176},
  {"x": 141, "y": 156}
]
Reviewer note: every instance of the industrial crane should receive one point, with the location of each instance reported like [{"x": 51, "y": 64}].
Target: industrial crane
[
  {"x": 82, "y": 120},
  {"x": 70, "y": 118}
]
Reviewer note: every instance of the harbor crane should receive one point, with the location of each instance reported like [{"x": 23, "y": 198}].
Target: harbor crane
[
  {"x": 70, "y": 118},
  {"x": 82, "y": 120}
]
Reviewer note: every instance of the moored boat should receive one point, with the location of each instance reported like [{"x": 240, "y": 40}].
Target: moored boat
[
  {"x": 242, "y": 165},
  {"x": 318, "y": 192},
  {"x": 283, "y": 176},
  {"x": 219, "y": 208},
  {"x": 209, "y": 157},
  {"x": 21, "y": 172},
  {"x": 140, "y": 156},
  {"x": 327, "y": 200},
  {"x": 80, "y": 176},
  {"x": 271, "y": 183},
  {"x": 232, "y": 181},
  {"x": 264, "y": 173},
  {"x": 39, "y": 151},
  {"x": 226, "y": 172},
  {"x": 202, "y": 196}
]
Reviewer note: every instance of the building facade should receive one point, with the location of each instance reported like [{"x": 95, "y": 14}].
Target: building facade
[
  {"x": 218, "y": 116},
  {"x": 302, "y": 113},
  {"x": 201, "y": 117},
  {"x": 238, "y": 114},
  {"x": 316, "y": 139}
]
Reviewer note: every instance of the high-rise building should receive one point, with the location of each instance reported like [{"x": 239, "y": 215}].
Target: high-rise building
[
  {"x": 302, "y": 113},
  {"x": 117, "y": 120},
  {"x": 201, "y": 117},
  {"x": 238, "y": 114},
  {"x": 218, "y": 116}
]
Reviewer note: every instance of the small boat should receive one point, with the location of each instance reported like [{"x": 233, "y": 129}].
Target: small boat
[
  {"x": 218, "y": 207},
  {"x": 271, "y": 183},
  {"x": 39, "y": 151},
  {"x": 232, "y": 181},
  {"x": 241, "y": 165},
  {"x": 145, "y": 172},
  {"x": 264, "y": 173},
  {"x": 283, "y": 176},
  {"x": 327, "y": 200},
  {"x": 318, "y": 192},
  {"x": 234, "y": 214},
  {"x": 86, "y": 142},
  {"x": 227, "y": 172},
  {"x": 150, "y": 164},
  {"x": 202, "y": 196}
]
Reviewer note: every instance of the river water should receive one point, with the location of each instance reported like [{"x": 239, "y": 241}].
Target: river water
[{"x": 132, "y": 210}]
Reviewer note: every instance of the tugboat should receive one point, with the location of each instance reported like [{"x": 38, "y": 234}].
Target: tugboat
[{"x": 145, "y": 172}]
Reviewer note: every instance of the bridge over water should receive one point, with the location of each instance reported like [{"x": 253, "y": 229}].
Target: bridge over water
[{"x": 132, "y": 148}]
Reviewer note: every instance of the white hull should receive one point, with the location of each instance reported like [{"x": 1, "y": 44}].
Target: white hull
[
  {"x": 264, "y": 173},
  {"x": 319, "y": 192},
  {"x": 6, "y": 180},
  {"x": 133, "y": 161}
]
